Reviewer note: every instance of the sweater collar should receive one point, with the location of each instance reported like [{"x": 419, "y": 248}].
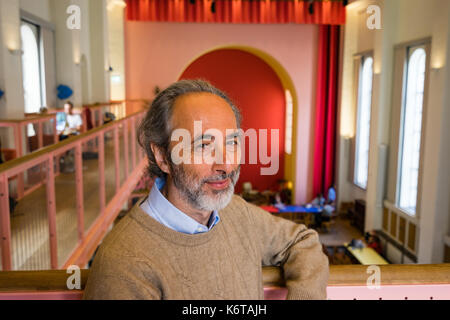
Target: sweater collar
[
  {"x": 163, "y": 211},
  {"x": 141, "y": 217}
]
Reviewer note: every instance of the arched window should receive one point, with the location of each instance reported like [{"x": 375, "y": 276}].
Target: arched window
[
  {"x": 289, "y": 122},
  {"x": 411, "y": 130},
  {"x": 31, "y": 67},
  {"x": 363, "y": 123}
]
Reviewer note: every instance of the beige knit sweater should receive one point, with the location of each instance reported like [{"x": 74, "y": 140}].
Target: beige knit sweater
[{"x": 142, "y": 259}]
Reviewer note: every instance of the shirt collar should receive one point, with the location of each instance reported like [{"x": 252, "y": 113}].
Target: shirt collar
[{"x": 167, "y": 214}]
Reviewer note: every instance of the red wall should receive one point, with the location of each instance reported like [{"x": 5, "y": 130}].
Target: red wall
[{"x": 257, "y": 91}]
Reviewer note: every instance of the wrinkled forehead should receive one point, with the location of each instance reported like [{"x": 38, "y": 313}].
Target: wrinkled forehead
[{"x": 212, "y": 111}]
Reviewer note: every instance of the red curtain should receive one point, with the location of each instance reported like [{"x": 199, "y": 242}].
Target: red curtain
[
  {"x": 326, "y": 109},
  {"x": 237, "y": 11}
]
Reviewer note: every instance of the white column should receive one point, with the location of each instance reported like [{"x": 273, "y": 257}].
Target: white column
[
  {"x": 12, "y": 104},
  {"x": 116, "y": 39},
  {"x": 99, "y": 51},
  {"x": 381, "y": 112},
  {"x": 434, "y": 201},
  {"x": 68, "y": 51}
]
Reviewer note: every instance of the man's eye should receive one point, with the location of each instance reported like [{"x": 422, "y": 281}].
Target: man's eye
[
  {"x": 232, "y": 143},
  {"x": 203, "y": 146}
]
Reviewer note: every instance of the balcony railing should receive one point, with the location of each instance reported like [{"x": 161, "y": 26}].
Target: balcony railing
[
  {"x": 63, "y": 219},
  {"x": 346, "y": 282},
  {"x": 45, "y": 134}
]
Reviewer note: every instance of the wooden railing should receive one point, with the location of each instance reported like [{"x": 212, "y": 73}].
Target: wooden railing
[
  {"x": 18, "y": 126},
  {"x": 121, "y": 109},
  {"x": 88, "y": 235},
  {"x": 345, "y": 282}
]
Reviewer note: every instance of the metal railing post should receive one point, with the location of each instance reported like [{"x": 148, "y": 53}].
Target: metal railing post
[
  {"x": 40, "y": 135},
  {"x": 79, "y": 190},
  {"x": 19, "y": 151},
  {"x": 5, "y": 224},
  {"x": 101, "y": 171},
  {"x": 133, "y": 142},
  {"x": 117, "y": 157},
  {"x": 126, "y": 149},
  {"x": 51, "y": 212}
]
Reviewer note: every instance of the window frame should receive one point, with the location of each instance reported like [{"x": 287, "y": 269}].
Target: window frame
[
  {"x": 48, "y": 54},
  {"x": 42, "y": 88},
  {"x": 426, "y": 45},
  {"x": 359, "y": 59},
  {"x": 289, "y": 122}
]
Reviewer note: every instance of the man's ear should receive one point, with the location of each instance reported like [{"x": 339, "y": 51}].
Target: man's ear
[{"x": 160, "y": 158}]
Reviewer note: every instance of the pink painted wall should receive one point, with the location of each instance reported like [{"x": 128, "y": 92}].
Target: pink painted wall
[{"x": 157, "y": 53}]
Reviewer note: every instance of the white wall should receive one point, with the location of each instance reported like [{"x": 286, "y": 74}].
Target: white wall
[
  {"x": 117, "y": 50},
  {"x": 67, "y": 51},
  {"x": 39, "y": 8},
  {"x": 61, "y": 58},
  {"x": 12, "y": 103},
  {"x": 62, "y": 62},
  {"x": 99, "y": 52}
]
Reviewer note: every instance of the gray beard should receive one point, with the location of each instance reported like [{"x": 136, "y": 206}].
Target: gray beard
[{"x": 191, "y": 189}]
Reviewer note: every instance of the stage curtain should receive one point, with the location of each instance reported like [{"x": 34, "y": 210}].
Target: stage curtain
[
  {"x": 237, "y": 11},
  {"x": 326, "y": 109}
]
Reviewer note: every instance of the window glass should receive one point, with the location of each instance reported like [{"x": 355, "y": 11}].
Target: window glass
[
  {"x": 289, "y": 122},
  {"x": 31, "y": 67},
  {"x": 411, "y": 130},
  {"x": 363, "y": 123}
]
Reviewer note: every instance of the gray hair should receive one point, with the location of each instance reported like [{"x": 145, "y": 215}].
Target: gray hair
[{"x": 155, "y": 127}]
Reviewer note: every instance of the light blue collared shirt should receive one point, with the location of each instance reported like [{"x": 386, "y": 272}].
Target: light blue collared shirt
[{"x": 160, "y": 209}]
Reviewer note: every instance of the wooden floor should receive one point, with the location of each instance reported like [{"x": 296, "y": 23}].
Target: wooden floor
[
  {"x": 29, "y": 223},
  {"x": 340, "y": 232}
]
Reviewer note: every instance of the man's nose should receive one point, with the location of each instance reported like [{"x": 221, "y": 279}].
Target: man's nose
[{"x": 220, "y": 162}]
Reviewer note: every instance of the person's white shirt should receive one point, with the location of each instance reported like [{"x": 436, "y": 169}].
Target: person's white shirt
[{"x": 73, "y": 122}]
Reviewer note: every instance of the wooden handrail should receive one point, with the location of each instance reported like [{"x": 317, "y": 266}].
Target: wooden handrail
[
  {"x": 51, "y": 280},
  {"x": 30, "y": 118},
  {"x": 391, "y": 274},
  {"x": 340, "y": 275},
  {"x": 101, "y": 105},
  {"x": 16, "y": 162}
]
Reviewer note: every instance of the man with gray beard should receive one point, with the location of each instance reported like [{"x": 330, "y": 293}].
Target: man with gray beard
[{"x": 192, "y": 238}]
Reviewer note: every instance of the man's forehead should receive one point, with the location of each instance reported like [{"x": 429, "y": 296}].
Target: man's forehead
[{"x": 212, "y": 110}]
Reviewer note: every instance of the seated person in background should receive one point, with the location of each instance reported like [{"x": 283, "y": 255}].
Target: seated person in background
[
  {"x": 332, "y": 196},
  {"x": 73, "y": 122},
  {"x": 330, "y": 204},
  {"x": 318, "y": 201},
  {"x": 71, "y": 128},
  {"x": 328, "y": 207},
  {"x": 373, "y": 242},
  {"x": 108, "y": 117},
  {"x": 285, "y": 192},
  {"x": 43, "y": 110}
]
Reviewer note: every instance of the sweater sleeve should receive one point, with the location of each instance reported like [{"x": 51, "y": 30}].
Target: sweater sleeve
[
  {"x": 109, "y": 287},
  {"x": 114, "y": 277},
  {"x": 296, "y": 249}
]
